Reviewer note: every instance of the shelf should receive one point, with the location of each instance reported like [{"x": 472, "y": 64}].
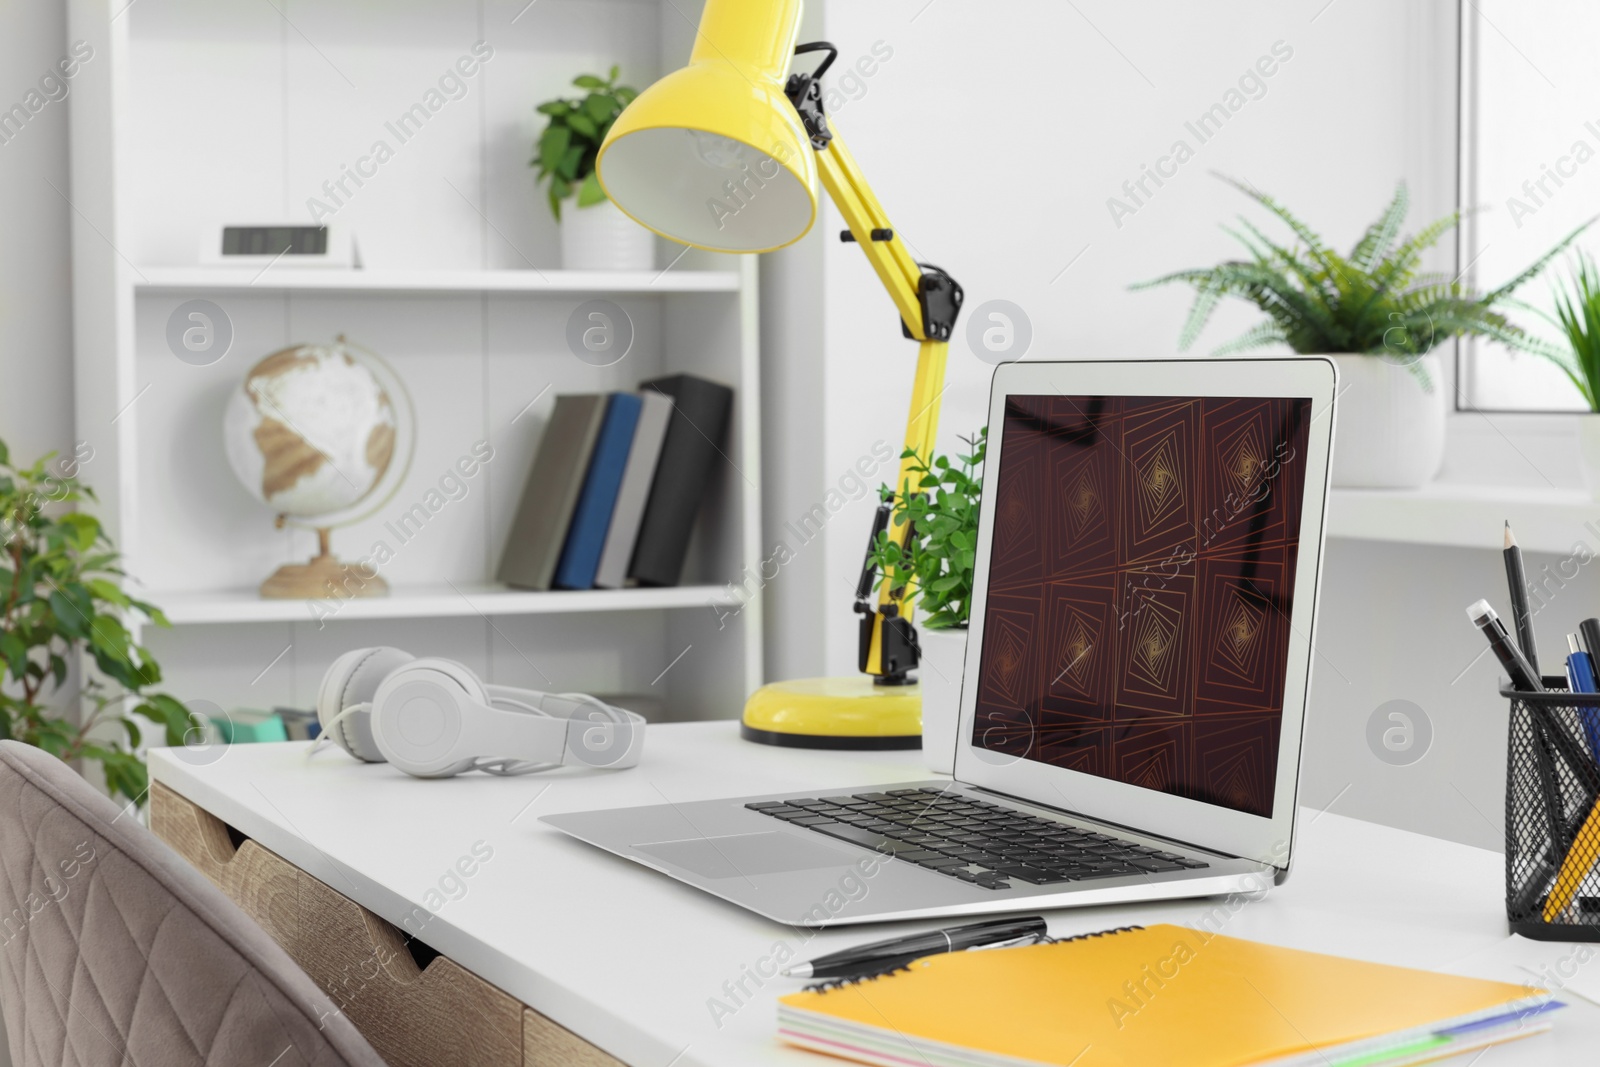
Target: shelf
[
  {"x": 420, "y": 602},
  {"x": 1467, "y": 516},
  {"x": 331, "y": 280},
  {"x": 478, "y": 347}
]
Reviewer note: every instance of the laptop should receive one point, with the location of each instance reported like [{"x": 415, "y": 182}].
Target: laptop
[{"x": 1137, "y": 665}]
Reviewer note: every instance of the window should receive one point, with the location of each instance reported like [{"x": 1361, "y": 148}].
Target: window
[{"x": 1530, "y": 166}]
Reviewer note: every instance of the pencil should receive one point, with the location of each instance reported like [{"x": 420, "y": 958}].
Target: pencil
[
  {"x": 1517, "y": 579},
  {"x": 1575, "y": 868}
]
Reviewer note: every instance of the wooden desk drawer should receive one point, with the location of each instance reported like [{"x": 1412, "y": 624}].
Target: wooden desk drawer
[{"x": 438, "y": 1016}]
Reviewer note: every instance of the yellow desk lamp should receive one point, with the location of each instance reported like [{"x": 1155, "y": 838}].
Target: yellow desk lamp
[{"x": 723, "y": 155}]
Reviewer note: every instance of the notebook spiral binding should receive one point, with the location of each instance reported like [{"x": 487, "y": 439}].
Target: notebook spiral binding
[{"x": 840, "y": 983}]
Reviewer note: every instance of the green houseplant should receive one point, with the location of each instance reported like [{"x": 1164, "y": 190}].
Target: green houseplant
[
  {"x": 61, "y": 596},
  {"x": 565, "y": 154},
  {"x": 937, "y": 565},
  {"x": 1375, "y": 311},
  {"x": 1577, "y": 317},
  {"x": 595, "y": 235}
]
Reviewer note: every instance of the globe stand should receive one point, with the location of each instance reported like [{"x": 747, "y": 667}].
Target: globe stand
[{"x": 323, "y": 578}]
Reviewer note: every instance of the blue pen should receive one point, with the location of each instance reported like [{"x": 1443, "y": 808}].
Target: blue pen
[{"x": 1581, "y": 679}]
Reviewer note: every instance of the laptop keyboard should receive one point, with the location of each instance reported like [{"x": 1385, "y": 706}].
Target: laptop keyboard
[{"x": 973, "y": 840}]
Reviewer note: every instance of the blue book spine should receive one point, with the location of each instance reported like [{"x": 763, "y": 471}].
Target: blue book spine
[{"x": 586, "y": 536}]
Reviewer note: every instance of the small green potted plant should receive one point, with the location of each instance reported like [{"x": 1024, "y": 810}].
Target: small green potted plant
[
  {"x": 595, "y": 235},
  {"x": 1376, "y": 313},
  {"x": 61, "y": 597},
  {"x": 1577, "y": 317},
  {"x": 936, "y": 567}
]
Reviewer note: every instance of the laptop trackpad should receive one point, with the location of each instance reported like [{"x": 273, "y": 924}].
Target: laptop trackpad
[{"x": 741, "y": 855}]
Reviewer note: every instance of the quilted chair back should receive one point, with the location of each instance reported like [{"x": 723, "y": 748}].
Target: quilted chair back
[{"x": 114, "y": 951}]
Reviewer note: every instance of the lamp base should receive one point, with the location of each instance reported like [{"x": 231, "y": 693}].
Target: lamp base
[{"x": 836, "y": 713}]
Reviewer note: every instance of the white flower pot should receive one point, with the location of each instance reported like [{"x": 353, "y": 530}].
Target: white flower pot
[
  {"x": 1589, "y": 452},
  {"x": 1388, "y": 429},
  {"x": 601, "y": 237},
  {"x": 943, "y": 655}
]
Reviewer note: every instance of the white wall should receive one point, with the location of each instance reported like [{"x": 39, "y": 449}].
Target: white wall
[
  {"x": 1033, "y": 116},
  {"x": 35, "y": 280},
  {"x": 995, "y": 135}
]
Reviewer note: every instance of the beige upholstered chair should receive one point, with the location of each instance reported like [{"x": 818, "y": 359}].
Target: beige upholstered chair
[{"x": 114, "y": 951}]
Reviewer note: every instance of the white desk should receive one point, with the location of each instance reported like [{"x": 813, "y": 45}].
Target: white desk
[{"x": 631, "y": 960}]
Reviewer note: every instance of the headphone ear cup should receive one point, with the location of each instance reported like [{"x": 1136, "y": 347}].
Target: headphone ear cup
[
  {"x": 420, "y": 712},
  {"x": 354, "y": 679}
]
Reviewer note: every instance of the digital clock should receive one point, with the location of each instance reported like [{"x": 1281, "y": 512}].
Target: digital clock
[{"x": 280, "y": 245}]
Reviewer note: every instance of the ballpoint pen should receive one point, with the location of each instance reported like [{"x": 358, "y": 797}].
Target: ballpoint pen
[
  {"x": 884, "y": 955},
  {"x": 1581, "y": 679}
]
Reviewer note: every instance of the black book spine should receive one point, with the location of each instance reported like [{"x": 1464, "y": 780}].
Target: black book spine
[{"x": 690, "y": 457}]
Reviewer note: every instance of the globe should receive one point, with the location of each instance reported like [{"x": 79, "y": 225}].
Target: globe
[{"x": 310, "y": 431}]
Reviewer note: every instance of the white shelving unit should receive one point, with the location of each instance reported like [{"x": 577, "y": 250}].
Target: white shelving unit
[
  {"x": 439, "y": 602},
  {"x": 290, "y": 279},
  {"x": 190, "y": 114}
]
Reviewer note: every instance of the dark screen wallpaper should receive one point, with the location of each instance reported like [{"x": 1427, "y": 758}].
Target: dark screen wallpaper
[{"x": 1140, "y": 583}]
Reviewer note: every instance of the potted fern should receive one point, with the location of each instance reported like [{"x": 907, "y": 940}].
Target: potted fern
[
  {"x": 1577, "y": 317},
  {"x": 595, "y": 234},
  {"x": 1375, "y": 313},
  {"x": 936, "y": 567}
]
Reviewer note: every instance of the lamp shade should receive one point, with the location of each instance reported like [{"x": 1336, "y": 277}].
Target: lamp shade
[{"x": 714, "y": 155}]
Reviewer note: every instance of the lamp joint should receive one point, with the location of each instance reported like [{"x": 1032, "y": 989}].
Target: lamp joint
[
  {"x": 805, "y": 93},
  {"x": 940, "y": 296}
]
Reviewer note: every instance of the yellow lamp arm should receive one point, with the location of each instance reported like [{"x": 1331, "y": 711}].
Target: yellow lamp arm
[
  {"x": 902, "y": 277},
  {"x": 864, "y": 215}
]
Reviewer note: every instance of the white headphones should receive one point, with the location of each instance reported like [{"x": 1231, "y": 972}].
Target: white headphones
[{"x": 434, "y": 718}]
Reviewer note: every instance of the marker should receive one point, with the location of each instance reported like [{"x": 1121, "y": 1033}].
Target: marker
[
  {"x": 1589, "y": 634},
  {"x": 1521, "y": 673}
]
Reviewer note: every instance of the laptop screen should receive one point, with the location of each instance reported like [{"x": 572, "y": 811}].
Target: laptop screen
[{"x": 1141, "y": 579}]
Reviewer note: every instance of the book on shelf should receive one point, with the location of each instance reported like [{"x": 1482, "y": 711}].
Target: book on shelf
[
  {"x": 634, "y": 492},
  {"x": 591, "y": 517},
  {"x": 617, "y": 483},
  {"x": 550, "y": 495},
  {"x": 690, "y": 456},
  {"x": 244, "y": 725},
  {"x": 299, "y": 724}
]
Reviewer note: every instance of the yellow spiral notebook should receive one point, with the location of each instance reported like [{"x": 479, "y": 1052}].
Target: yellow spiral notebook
[{"x": 1161, "y": 995}]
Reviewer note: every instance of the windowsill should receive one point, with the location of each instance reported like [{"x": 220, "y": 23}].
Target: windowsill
[{"x": 1467, "y": 516}]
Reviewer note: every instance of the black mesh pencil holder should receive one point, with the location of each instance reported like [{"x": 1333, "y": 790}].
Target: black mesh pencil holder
[{"x": 1552, "y": 818}]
